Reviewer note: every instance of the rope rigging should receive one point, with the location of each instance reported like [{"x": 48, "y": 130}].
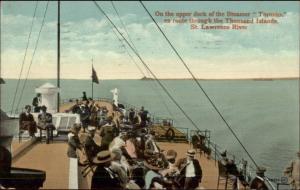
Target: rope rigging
[
  {"x": 137, "y": 54},
  {"x": 129, "y": 38},
  {"x": 35, "y": 48},
  {"x": 23, "y": 62},
  {"x": 199, "y": 85}
]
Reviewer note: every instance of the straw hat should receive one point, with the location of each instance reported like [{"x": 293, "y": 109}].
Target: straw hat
[
  {"x": 171, "y": 154},
  {"x": 191, "y": 153},
  {"x": 102, "y": 157}
]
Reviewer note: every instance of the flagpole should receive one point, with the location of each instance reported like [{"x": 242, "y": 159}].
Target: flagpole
[{"x": 92, "y": 82}]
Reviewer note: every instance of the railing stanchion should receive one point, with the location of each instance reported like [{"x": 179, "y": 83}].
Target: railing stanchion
[{"x": 215, "y": 154}]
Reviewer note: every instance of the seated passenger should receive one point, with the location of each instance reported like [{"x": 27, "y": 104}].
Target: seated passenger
[
  {"x": 26, "y": 121},
  {"x": 104, "y": 178},
  {"x": 45, "y": 123}
]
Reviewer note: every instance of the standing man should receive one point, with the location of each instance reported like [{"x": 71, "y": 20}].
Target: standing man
[
  {"x": 85, "y": 115},
  {"x": 293, "y": 172},
  {"x": 108, "y": 132},
  {"x": 36, "y": 103},
  {"x": 84, "y": 98},
  {"x": 190, "y": 169},
  {"x": 26, "y": 121}
]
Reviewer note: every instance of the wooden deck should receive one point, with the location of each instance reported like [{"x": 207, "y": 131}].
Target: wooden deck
[{"x": 51, "y": 158}]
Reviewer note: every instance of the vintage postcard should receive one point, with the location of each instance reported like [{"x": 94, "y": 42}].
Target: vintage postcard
[{"x": 149, "y": 95}]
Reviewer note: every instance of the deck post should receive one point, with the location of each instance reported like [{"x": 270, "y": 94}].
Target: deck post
[{"x": 215, "y": 154}]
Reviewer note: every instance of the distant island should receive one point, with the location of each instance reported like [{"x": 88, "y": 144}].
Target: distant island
[
  {"x": 146, "y": 78},
  {"x": 255, "y": 79}
]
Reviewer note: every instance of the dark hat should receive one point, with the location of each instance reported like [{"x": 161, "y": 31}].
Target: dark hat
[
  {"x": 44, "y": 108},
  {"x": 260, "y": 170},
  {"x": 171, "y": 154},
  {"x": 102, "y": 157},
  {"x": 223, "y": 154},
  {"x": 191, "y": 152},
  {"x": 27, "y": 106}
]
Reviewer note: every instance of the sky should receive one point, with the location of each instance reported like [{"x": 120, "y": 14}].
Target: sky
[{"x": 260, "y": 51}]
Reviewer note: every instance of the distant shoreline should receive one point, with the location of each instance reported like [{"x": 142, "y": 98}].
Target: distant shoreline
[{"x": 255, "y": 79}]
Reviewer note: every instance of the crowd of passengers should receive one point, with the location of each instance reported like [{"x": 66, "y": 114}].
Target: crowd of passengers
[{"x": 127, "y": 155}]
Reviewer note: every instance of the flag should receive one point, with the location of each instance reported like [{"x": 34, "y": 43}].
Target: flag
[{"x": 94, "y": 76}]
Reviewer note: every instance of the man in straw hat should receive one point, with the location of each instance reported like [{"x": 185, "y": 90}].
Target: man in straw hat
[
  {"x": 104, "y": 177},
  {"x": 292, "y": 171},
  {"x": 259, "y": 182},
  {"x": 190, "y": 171}
]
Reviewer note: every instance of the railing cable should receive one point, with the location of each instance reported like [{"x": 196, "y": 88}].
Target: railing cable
[
  {"x": 36, "y": 45},
  {"x": 24, "y": 58}
]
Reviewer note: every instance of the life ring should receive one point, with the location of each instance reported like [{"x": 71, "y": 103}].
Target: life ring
[{"x": 170, "y": 134}]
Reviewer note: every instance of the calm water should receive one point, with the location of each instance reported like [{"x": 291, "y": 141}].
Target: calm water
[{"x": 264, "y": 114}]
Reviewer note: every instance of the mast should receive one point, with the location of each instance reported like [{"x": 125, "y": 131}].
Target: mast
[{"x": 58, "y": 53}]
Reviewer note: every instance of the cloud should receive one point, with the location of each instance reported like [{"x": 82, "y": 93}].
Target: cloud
[{"x": 209, "y": 53}]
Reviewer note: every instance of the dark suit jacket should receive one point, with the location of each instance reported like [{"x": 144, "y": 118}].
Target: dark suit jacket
[
  {"x": 182, "y": 163},
  {"x": 24, "y": 117},
  {"x": 102, "y": 180},
  {"x": 258, "y": 184}
]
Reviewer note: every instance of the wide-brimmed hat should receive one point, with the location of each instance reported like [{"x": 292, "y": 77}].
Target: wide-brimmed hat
[
  {"x": 171, "y": 154},
  {"x": 191, "y": 152},
  {"x": 102, "y": 157},
  {"x": 260, "y": 170}
]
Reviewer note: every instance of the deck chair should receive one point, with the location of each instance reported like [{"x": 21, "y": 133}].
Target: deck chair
[{"x": 223, "y": 175}]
